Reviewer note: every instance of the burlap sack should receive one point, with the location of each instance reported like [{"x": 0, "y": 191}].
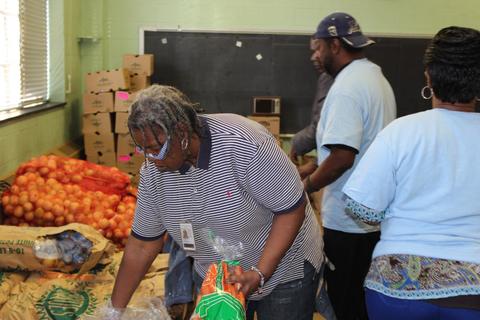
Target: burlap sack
[
  {"x": 159, "y": 264},
  {"x": 16, "y": 248},
  {"x": 8, "y": 281},
  {"x": 59, "y": 296}
]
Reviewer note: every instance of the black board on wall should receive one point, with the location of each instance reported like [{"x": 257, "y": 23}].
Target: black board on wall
[{"x": 214, "y": 70}]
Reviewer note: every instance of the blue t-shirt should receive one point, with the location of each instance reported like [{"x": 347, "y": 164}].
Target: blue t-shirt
[
  {"x": 359, "y": 104},
  {"x": 424, "y": 171}
]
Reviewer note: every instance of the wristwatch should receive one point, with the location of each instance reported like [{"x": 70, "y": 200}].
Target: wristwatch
[{"x": 262, "y": 279}]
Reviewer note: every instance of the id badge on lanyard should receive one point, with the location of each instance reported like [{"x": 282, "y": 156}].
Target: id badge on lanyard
[{"x": 188, "y": 239}]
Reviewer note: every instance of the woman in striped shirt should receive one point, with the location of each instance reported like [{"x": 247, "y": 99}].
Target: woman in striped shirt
[{"x": 225, "y": 174}]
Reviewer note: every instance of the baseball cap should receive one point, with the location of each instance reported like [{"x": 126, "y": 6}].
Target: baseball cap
[{"x": 342, "y": 25}]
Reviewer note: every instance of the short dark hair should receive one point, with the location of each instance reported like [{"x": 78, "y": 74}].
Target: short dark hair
[{"x": 452, "y": 60}]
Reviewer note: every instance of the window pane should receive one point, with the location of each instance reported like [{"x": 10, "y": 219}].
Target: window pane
[
  {"x": 10, "y": 82},
  {"x": 33, "y": 50},
  {"x": 23, "y": 52}
]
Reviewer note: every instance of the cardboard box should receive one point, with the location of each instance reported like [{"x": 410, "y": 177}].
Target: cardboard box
[
  {"x": 97, "y": 122},
  {"x": 121, "y": 122},
  {"x": 108, "y": 80},
  {"x": 104, "y": 159},
  {"x": 130, "y": 163},
  {"x": 98, "y": 102},
  {"x": 99, "y": 142},
  {"x": 123, "y": 100},
  {"x": 139, "y": 81},
  {"x": 125, "y": 144},
  {"x": 272, "y": 123},
  {"x": 139, "y": 63}
]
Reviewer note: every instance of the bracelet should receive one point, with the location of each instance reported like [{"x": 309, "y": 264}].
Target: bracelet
[{"x": 262, "y": 279}]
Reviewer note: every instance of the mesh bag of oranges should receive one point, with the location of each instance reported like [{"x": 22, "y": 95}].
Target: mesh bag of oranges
[
  {"x": 89, "y": 176},
  {"x": 54, "y": 191},
  {"x": 218, "y": 298}
]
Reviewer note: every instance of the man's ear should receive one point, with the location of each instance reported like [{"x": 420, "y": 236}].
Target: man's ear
[{"x": 335, "y": 46}]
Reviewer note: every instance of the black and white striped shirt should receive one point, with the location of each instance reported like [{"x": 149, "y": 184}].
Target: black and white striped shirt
[{"x": 242, "y": 179}]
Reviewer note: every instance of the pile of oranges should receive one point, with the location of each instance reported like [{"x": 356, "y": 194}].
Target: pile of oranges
[{"x": 54, "y": 191}]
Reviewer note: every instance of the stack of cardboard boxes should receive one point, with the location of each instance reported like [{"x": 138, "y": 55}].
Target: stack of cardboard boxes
[{"x": 106, "y": 102}]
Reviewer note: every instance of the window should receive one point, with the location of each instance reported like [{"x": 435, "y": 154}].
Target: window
[{"x": 23, "y": 53}]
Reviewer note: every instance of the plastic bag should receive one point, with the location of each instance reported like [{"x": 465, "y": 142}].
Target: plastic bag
[
  {"x": 219, "y": 299},
  {"x": 153, "y": 309},
  {"x": 67, "y": 248}
]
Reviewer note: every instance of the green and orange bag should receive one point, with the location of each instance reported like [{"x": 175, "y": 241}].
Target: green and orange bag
[{"x": 219, "y": 299}]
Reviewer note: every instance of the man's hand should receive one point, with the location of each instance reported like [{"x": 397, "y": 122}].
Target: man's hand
[
  {"x": 306, "y": 169},
  {"x": 247, "y": 281}
]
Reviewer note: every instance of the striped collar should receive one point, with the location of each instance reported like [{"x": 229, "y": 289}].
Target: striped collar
[{"x": 205, "y": 148}]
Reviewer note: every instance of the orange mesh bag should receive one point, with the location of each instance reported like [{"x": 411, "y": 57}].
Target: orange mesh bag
[
  {"x": 89, "y": 176},
  {"x": 53, "y": 191}
]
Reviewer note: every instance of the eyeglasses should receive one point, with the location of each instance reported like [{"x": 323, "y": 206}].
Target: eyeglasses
[{"x": 161, "y": 155}]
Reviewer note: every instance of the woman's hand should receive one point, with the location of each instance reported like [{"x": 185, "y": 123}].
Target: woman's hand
[{"x": 247, "y": 281}]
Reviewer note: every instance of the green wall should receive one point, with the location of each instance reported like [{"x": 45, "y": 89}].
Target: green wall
[{"x": 90, "y": 35}]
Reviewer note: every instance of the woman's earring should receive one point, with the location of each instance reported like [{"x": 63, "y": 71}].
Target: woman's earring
[
  {"x": 424, "y": 96},
  {"x": 184, "y": 144}
]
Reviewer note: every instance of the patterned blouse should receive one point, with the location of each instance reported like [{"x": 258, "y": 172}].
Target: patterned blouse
[{"x": 416, "y": 277}]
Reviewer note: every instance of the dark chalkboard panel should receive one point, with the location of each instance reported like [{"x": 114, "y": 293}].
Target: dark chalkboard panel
[{"x": 212, "y": 70}]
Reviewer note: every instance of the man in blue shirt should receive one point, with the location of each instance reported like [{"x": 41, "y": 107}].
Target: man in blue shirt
[{"x": 359, "y": 104}]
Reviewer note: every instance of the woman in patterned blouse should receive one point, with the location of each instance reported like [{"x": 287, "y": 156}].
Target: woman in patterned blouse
[{"x": 420, "y": 179}]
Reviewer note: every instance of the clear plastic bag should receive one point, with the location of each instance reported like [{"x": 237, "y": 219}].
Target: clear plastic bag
[
  {"x": 71, "y": 247},
  {"x": 227, "y": 250},
  {"x": 151, "y": 309}
]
